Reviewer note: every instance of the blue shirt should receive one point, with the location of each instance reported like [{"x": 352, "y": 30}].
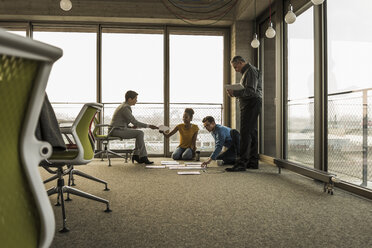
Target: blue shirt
[{"x": 222, "y": 137}]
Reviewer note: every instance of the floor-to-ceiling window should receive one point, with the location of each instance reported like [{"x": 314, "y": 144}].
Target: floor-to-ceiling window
[
  {"x": 196, "y": 81},
  {"x": 134, "y": 61},
  {"x": 350, "y": 90},
  {"x": 72, "y": 81},
  {"x": 300, "y": 105}
]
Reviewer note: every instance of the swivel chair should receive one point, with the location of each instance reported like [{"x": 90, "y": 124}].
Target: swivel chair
[
  {"x": 82, "y": 155},
  {"x": 27, "y": 218}
]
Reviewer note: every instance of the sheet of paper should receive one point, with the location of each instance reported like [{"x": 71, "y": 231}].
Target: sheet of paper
[
  {"x": 188, "y": 173},
  {"x": 234, "y": 87},
  {"x": 163, "y": 128},
  {"x": 185, "y": 167},
  {"x": 193, "y": 163},
  {"x": 171, "y": 162},
  {"x": 155, "y": 166}
]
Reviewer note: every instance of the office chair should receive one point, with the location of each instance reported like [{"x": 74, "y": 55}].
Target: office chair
[
  {"x": 71, "y": 170},
  {"x": 82, "y": 155},
  {"x": 105, "y": 139},
  {"x": 26, "y": 216}
]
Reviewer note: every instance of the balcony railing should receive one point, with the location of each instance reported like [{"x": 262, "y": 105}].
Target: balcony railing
[
  {"x": 152, "y": 113},
  {"x": 348, "y": 126}
]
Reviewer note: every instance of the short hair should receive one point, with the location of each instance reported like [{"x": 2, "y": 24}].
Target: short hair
[
  {"x": 237, "y": 59},
  {"x": 130, "y": 94},
  {"x": 209, "y": 119},
  {"x": 189, "y": 111}
]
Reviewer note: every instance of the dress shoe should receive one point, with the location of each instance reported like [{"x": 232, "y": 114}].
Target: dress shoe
[
  {"x": 236, "y": 169},
  {"x": 146, "y": 160},
  {"x": 136, "y": 158}
]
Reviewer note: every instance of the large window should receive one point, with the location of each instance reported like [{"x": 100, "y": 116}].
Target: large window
[
  {"x": 134, "y": 61},
  {"x": 300, "y": 111},
  {"x": 72, "y": 81},
  {"x": 196, "y": 81},
  {"x": 349, "y": 90}
]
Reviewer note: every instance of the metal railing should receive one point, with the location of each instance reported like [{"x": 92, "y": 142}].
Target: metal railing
[
  {"x": 151, "y": 113},
  {"x": 348, "y": 126}
]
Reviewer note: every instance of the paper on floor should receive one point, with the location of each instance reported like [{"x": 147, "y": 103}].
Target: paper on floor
[
  {"x": 188, "y": 173},
  {"x": 155, "y": 166}
]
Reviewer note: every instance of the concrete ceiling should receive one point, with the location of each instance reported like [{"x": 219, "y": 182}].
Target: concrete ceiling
[{"x": 136, "y": 11}]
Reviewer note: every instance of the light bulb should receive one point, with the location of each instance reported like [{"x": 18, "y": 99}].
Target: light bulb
[
  {"x": 317, "y": 2},
  {"x": 66, "y": 5},
  {"x": 255, "y": 42},
  {"x": 270, "y": 31},
  {"x": 290, "y": 17}
]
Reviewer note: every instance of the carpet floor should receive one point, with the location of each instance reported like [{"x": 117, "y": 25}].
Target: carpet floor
[{"x": 257, "y": 208}]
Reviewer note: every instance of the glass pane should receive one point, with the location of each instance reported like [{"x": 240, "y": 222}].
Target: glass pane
[
  {"x": 300, "y": 123},
  {"x": 350, "y": 92},
  {"x": 73, "y": 77},
  {"x": 132, "y": 61},
  {"x": 22, "y": 33},
  {"x": 196, "y": 81}
]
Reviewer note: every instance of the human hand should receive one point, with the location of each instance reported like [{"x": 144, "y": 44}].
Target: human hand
[
  {"x": 153, "y": 127},
  {"x": 204, "y": 164}
]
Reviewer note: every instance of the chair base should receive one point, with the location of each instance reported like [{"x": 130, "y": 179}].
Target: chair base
[
  {"x": 107, "y": 152},
  {"x": 62, "y": 188}
]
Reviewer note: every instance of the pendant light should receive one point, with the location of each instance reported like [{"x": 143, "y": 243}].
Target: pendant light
[
  {"x": 317, "y": 2},
  {"x": 270, "y": 31},
  {"x": 290, "y": 17},
  {"x": 255, "y": 42},
  {"x": 66, "y": 5}
]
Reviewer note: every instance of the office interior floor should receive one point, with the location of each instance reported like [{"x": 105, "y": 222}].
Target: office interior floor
[{"x": 257, "y": 208}]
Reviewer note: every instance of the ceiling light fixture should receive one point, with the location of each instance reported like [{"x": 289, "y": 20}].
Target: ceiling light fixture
[
  {"x": 317, "y": 2},
  {"x": 255, "y": 42},
  {"x": 290, "y": 17},
  {"x": 66, "y": 5},
  {"x": 270, "y": 31}
]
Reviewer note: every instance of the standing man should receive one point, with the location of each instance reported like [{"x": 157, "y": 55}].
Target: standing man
[
  {"x": 224, "y": 137},
  {"x": 250, "y": 99}
]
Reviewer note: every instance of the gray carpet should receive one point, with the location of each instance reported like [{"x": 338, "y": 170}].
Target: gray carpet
[{"x": 257, "y": 208}]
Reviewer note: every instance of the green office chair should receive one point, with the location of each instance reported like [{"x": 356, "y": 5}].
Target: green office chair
[
  {"x": 82, "y": 155},
  {"x": 26, "y": 216}
]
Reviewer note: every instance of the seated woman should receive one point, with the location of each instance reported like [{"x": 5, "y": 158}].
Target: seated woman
[
  {"x": 188, "y": 132},
  {"x": 120, "y": 121}
]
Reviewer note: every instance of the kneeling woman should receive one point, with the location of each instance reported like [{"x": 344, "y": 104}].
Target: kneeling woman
[
  {"x": 120, "y": 121},
  {"x": 188, "y": 133}
]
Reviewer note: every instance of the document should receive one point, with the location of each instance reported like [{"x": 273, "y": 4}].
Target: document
[
  {"x": 180, "y": 167},
  {"x": 193, "y": 163},
  {"x": 234, "y": 87},
  {"x": 169, "y": 162},
  {"x": 188, "y": 173},
  {"x": 163, "y": 128}
]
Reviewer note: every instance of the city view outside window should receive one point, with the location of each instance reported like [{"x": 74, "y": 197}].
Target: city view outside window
[
  {"x": 350, "y": 91},
  {"x": 300, "y": 122},
  {"x": 196, "y": 81}
]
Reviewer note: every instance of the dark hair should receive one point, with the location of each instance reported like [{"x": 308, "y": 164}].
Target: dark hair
[
  {"x": 130, "y": 94},
  {"x": 237, "y": 59},
  {"x": 210, "y": 119},
  {"x": 189, "y": 111}
]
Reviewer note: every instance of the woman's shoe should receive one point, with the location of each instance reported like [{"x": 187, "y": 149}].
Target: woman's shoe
[
  {"x": 136, "y": 158},
  {"x": 146, "y": 160}
]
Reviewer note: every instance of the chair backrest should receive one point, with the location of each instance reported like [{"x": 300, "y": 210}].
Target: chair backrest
[
  {"x": 26, "y": 216},
  {"x": 81, "y": 130}
]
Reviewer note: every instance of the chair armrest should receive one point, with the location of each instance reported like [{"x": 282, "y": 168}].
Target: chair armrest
[{"x": 66, "y": 130}]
